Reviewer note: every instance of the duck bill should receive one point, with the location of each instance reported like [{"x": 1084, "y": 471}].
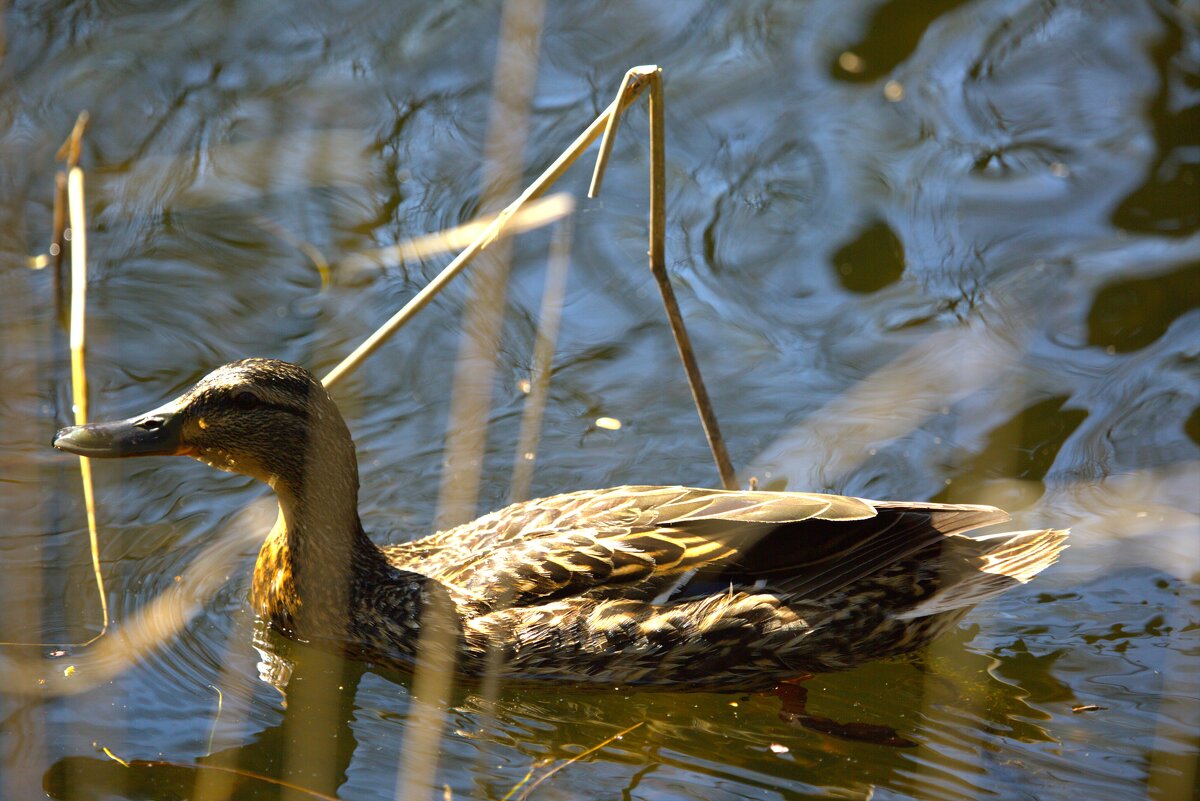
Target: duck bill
[{"x": 158, "y": 433}]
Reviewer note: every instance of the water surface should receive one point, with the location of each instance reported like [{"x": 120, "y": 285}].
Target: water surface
[{"x": 941, "y": 251}]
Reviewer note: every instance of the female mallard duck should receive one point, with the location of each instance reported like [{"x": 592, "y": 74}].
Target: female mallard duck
[{"x": 654, "y": 586}]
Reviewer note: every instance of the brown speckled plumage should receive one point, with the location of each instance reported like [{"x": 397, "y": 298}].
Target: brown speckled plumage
[{"x": 656, "y": 586}]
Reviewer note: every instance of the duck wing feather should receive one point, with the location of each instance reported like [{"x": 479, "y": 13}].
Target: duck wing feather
[{"x": 673, "y": 543}]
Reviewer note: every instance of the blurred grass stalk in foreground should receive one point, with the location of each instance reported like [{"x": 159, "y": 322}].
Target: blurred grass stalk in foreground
[{"x": 515, "y": 75}]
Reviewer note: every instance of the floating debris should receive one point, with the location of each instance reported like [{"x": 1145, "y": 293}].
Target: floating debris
[{"x": 1087, "y": 708}]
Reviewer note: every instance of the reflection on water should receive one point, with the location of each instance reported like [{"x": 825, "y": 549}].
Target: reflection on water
[{"x": 940, "y": 250}]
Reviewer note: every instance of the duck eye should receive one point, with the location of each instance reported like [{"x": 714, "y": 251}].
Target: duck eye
[{"x": 245, "y": 400}]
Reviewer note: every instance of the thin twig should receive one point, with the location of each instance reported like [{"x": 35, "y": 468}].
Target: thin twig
[
  {"x": 658, "y": 266},
  {"x": 212, "y": 733},
  {"x": 537, "y": 763},
  {"x": 245, "y": 774},
  {"x": 524, "y": 795},
  {"x": 108, "y": 753},
  {"x": 483, "y": 314},
  {"x": 431, "y": 685},
  {"x": 543, "y": 352}
]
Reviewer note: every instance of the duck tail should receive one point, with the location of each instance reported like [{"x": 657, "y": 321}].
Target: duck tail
[
  {"x": 997, "y": 563},
  {"x": 1021, "y": 555}
]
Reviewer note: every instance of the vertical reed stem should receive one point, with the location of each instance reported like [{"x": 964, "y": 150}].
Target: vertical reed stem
[
  {"x": 79, "y": 387},
  {"x": 658, "y": 266}
]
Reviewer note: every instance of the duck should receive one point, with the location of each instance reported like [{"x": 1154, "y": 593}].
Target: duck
[{"x": 669, "y": 587}]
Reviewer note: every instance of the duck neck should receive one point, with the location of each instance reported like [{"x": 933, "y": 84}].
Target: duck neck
[
  {"x": 320, "y": 515},
  {"x": 318, "y": 552}
]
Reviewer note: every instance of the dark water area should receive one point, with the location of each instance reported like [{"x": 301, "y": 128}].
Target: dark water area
[{"x": 929, "y": 251}]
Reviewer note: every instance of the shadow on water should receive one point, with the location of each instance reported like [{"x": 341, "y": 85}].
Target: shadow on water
[{"x": 1169, "y": 201}]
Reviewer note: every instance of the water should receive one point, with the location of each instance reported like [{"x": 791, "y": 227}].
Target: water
[{"x": 933, "y": 251}]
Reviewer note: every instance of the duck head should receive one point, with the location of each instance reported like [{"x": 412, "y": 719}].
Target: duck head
[{"x": 261, "y": 417}]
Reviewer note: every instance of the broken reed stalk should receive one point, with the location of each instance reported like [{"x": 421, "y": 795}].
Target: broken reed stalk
[
  {"x": 79, "y": 387},
  {"x": 549, "y": 317},
  {"x": 485, "y": 238},
  {"x": 652, "y": 76},
  {"x": 635, "y": 81}
]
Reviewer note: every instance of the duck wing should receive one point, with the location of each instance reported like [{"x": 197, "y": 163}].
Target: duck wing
[
  {"x": 671, "y": 543},
  {"x": 626, "y": 508}
]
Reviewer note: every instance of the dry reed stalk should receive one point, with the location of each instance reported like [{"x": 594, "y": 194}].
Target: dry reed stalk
[
  {"x": 549, "y": 317},
  {"x": 651, "y": 75},
  {"x": 72, "y": 185},
  {"x": 485, "y": 238},
  {"x": 79, "y": 386},
  {"x": 167, "y": 614},
  {"x": 470, "y": 401},
  {"x": 68, "y": 153}
]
